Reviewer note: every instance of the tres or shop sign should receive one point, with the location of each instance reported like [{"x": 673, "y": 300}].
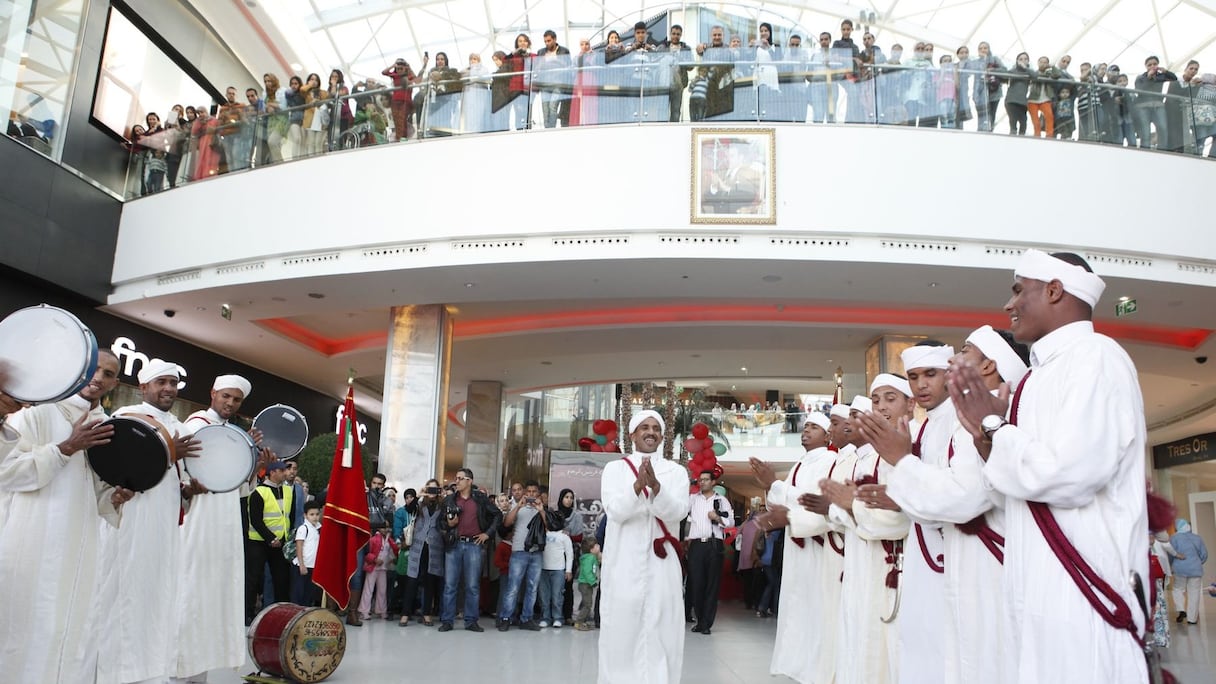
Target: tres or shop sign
[
  {"x": 1183, "y": 451},
  {"x": 1125, "y": 307}
]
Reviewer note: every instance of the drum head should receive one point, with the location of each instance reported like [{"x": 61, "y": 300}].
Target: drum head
[
  {"x": 47, "y": 353},
  {"x": 226, "y": 460},
  {"x": 137, "y": 457},
  {"x": 313, "y": 645},
  {"x": 284, "y": 430}
]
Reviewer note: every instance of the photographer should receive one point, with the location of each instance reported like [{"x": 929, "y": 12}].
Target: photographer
[
  {"x": 529, "y": 520},
  {"x": 471, "y": 518},
  {"x": 707, "y": 520},
  {"x": 426, "y": 555}
]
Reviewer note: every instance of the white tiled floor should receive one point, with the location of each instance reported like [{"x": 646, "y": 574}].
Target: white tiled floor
[{"x": 737, "y": 652}]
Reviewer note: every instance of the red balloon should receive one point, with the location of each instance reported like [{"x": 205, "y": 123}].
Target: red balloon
[
  {"x": 706, "y": 454},
  {"x": 700, "y": 430},
  {"x": 585, "y": 443},
  {"x": 718, "y": 471},
  {"x": 611, "y": 425},
  {"x": 707, "y": 443},
  {"x": 692, "y": 446},
  {"x": 599, "y": 428},
  {"x": 612, "y": 433},
  {"x": 613, "y": 448},
  {"x": 596, "y": 448}
]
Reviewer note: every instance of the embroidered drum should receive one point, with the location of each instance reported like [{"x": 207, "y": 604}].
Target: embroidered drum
[
  {"x": 302, "y": 644},
  {"x": 47, "y": 354},
  {"x": 284, "y": 430},
  {"x": 137, "y": 456},
  {"x": 225, "y": 461}
]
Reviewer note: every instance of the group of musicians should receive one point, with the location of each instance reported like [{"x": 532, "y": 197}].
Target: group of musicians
[{"x": 105, "y": 584}]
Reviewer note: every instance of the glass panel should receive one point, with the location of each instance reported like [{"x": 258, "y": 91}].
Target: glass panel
[{"x": 37, "y": 63}]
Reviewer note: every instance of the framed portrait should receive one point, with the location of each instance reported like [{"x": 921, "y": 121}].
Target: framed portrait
[{"x": 733, "y": 176}]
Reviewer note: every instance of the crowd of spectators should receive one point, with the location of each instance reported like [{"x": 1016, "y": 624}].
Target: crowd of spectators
[{"x": 834, "y": 80}]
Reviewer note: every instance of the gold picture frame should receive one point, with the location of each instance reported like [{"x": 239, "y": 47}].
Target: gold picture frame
[{"x": 734, "y": 179}]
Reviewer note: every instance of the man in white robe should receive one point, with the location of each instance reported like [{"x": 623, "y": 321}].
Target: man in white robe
[
  {"x": 48, "y": 538},
  {"x": 867, "y": 647},
  {"x": 211, "y": 606},
  {"x": 642, "y": 609},
  {"x": 922, "y": 624},
  {"x": 1074, "y": 443},
  {"x": 954, "y": 494},
  {"x": 796, "y": 653},
  {"x": 140, "y": 561},
  {"x": 8, "y": 436}
]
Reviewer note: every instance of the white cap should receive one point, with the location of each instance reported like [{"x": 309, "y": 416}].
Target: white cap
[
  {"x": 839, "y": 410},
  {"x": 233, "y": 382},
  {"x": 893, "y": 381},
  {"x": 862, "y": 404},
  {"x": 1078, "y": 282},
  {"x": 638, "y": 417},
  {"x": 992, "y": 345},
  {"x": 819, "y": 419},
  {"x": 923, "y": 356},
  {"x": 156, "y": 368}
]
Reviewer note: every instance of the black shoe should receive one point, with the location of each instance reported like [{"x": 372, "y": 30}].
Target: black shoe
[
  {"x": 474, "y": 627},
  {"x": 1181, "y": 616},
  {"x": 504, "y": 625},
  {"x": 445, "y": 627},
  {"x": 530, "y": 626},
  {"x": 705, "y": 631},
  {"x": 696, "y": 628}
]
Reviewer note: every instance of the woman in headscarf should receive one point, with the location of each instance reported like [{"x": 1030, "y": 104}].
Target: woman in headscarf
[
  {"x": 575, "y": 526},
  {"x": 426, "y": 557}
]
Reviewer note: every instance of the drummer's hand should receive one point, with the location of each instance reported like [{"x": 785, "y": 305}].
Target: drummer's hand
[
  {"x": 120, "y": 495},
  {"x": 256, "y": 435},
  {"x": 85, "y": 435},
  {"x": 195, "y": 487},
  {"x": 265, "y": 457},
  {"x": 8, "y": 404},
  {"x": 186, "y": 446}
]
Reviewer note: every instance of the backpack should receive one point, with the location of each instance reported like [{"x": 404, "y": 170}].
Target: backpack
[{"x": 289, "y": 547}]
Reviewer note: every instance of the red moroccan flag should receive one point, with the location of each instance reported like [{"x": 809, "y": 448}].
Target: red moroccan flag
[{"x": 345, "y": 527}]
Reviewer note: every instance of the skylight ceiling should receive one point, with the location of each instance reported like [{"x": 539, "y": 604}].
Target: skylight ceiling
[{"x": 364, "y": 36}]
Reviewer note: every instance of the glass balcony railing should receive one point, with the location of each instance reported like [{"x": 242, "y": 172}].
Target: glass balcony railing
[{"x": 651, "y": 86}]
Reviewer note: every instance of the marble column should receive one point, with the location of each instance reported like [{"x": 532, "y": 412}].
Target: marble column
[
  {"x": 483, "y": 433},
  {"x": 415, "y": 394}
]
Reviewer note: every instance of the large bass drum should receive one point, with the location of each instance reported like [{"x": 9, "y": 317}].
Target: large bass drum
[
  {"x": 284, "y": 430},
  {"x": 226, "y": 459},
  {"x": 46, "y": 353},
  {"x": 136, "y": 457},
  {"x": 302, "y": 644}
]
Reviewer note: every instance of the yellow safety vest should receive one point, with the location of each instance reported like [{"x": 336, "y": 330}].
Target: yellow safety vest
[{"x": 273, "y": 516}]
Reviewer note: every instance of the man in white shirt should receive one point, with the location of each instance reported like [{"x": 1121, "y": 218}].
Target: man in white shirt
[
  {"x": 709, "y": 514},
  {"x": 48, "y": 534},
  {"x": 141, "y": 559},
  {"x": 1070, "y": 462},
  {"x": 645, "y": 497},
  {"x": 210, "y": 617},
  {"x": 798, "y": 651}
]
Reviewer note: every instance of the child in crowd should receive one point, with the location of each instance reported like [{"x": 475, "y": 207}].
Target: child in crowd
[
  {"x": 381, "y": 554},
  {"x": 308, "y": 536},
  {"x": 557, "y": 563},
  {"x": 1063, "y": 112},
  {"x": 588, "y": 580},
  {"x": 698, "y": 92}
]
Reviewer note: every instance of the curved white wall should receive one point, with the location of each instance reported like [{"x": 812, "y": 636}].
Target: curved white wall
[{"x": 955, "y": 197}]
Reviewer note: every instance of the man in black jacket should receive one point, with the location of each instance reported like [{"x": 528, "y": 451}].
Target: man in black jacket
[{"x": 472, "y": 518}]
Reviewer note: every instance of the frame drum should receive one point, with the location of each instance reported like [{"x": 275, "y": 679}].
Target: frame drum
[
  {"x": 138, "y": 455},
  {"x": 284, "y": 430},
  {"x": 48, "y": 354},
  {"x": 303, "y": 644},
  {"x": 226, "y": 460}
]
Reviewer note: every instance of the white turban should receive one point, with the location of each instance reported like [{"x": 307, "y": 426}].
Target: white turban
[
  {"x": 638, "y": 417},
  {"x": 862, "y": 404},
  {"x": 840, "y": 410},
  {"x": 1008, "y": 363},
  {"x": 1077, "y": 282},
  {"x": 923, "y": 356},
  {"x": 233, "y": 382},
  {"x": 819, "y": 419},
  {"x": 156, "y": 368},
  {"x": 893, "y": 381}
]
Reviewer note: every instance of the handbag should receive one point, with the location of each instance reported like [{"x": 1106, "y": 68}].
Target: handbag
[
  {"x": 535, "y": 539},
  {"x": 407, "y": 536},
  {"x": 289, "y": 547}
]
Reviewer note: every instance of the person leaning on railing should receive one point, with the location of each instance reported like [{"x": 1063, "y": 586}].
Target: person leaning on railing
[
  {"x": 1150, "y": 105},
  {"x": 1204, "y": 111},
  {"x": 402, "y": 102}
]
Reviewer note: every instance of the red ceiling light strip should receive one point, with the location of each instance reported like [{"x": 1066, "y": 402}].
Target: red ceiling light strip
[{"x": 1181, "y": 338}]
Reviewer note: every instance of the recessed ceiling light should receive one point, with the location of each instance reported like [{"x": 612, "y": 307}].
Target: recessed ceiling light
[
  {"x": 1124, "y": 299},
  {"x": 695, "y": 356},
  {"x": 771, "y": 279},
  {"x": 744, "y": 369},
  {"x": 932, "y": 284},
  {"x": 200, "y": 308},
  {"x": 316, "y": 295},
  {"x": 546, "y": 363},
  {"x": 278, "y": 299},
  {"x": 470, "y": 284},
  {"x": 829, "y": 360},
  {"x": 296, "y": 66}
]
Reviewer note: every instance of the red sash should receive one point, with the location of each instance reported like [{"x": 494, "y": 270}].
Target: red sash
[
  {"x": 1117, "y": 614},
  {"x": 800, "y": 541},
  {"x": 667, "y": 537},
  {"x": 978, "y": 527},
  {"x": 838, "y": 547},
  {"x": 938, "y": 565}
]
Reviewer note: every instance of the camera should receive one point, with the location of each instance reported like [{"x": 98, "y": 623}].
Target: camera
[
  {"x": 170, "y": 313},
  {"x": 433, "y": 490},
  {"x": 452, "y": 512},
  {"x": 530, "y": 500},
  {"x": 1201, "y": 360}
]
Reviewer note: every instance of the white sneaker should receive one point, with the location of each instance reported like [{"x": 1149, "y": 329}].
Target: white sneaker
[
  {"x": 557, "y": 624},
  {"x": 544, "y": 623}
]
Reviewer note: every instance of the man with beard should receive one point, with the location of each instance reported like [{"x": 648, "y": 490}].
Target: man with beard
[
  {"x": 645, "y": 497},
  {"x": 48, "y": 537},
  {"x": 1070, "y": 462},
  {"x": 210, "y": 632},
  {"x": 797, "y": 651},
  {"x": 141, "y": 559}
]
